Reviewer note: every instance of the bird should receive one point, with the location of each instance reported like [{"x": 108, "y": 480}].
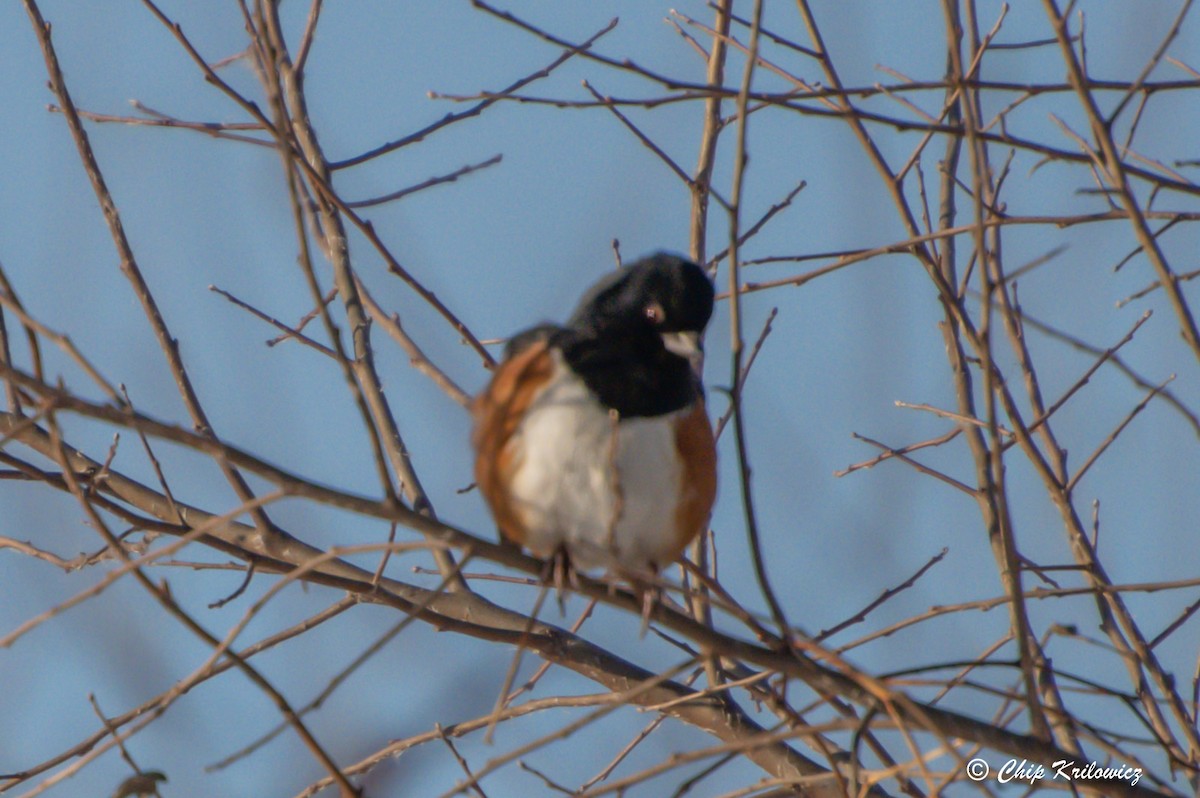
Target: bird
[
  {"x": 143, "y": 783},
  {"x": 592, "y": 441}
]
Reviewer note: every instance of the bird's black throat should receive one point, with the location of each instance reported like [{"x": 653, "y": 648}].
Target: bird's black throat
[{"x": 631, "y": 373}]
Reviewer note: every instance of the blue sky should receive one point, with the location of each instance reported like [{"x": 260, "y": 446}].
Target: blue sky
[{"x": 515, "y": 244}]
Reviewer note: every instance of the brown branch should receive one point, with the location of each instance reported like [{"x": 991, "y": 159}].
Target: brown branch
[
  {"x": 889, "y": 453},
  {"x": 1109, "y": 161},
  {"x": 449, "y": 119},
  {"x": 218, "y": 130},
  {"x": 902, "y": 455},
  {"x": 470, "y": 614},
  {"x": 161, "y": 594},
  {"x": 886, "y": 595},
  {"x": 128, "y": 263},
  {"x": 416, "y": 357},
  {"x": 450, "y": 177},
  {"x": 643, "y": 138},
  {"x": 1112, "y": 437},
  {"x": 288, "y": 332}
]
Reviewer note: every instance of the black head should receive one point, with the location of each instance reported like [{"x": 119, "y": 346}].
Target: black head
[
  {"x": 662, "y": 293},
  {"x": 634, "y": 339}
]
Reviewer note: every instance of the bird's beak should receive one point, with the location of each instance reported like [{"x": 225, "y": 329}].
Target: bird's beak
[{"x": 687, "y": 345}]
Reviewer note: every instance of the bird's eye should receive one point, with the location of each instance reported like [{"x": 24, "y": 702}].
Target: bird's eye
[{"x": 654, "y": 313}]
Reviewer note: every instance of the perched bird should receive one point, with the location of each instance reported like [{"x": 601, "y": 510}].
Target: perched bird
[
  {"x": 592, "y": 441},
  {"x": 144, "y": 783}
]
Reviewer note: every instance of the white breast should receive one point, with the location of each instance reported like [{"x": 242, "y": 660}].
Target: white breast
[{"x": 573, "y": 459}]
